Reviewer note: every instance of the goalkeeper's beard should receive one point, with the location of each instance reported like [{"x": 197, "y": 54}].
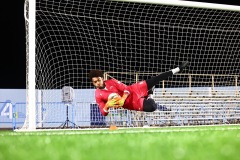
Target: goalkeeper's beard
[{"x": 102, "y": 87}]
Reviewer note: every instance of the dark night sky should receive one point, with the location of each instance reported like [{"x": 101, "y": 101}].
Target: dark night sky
[
  {"x": 13, "y": 61},
  {"x": 12, "y": 64}
]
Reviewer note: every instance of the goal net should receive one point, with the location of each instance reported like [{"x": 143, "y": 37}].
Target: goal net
[{"x": 131, "y": 41}]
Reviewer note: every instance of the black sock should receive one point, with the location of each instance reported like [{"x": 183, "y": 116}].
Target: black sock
[{"x": 155, "y": 80}]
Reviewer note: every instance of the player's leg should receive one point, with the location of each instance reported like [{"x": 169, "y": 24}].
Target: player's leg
[
  {"x": 150, "y": 92},
  {"x": 155, "y": 80},
  {"x": 149, "y": 105}
]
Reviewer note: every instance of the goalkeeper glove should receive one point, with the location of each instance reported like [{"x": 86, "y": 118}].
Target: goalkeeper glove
[
  {"x": 121, "y": 101},
  {"x": 110, "y": 103}
]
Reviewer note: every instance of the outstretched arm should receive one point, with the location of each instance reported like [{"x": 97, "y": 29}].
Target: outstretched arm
[
  {"x": 122, "y": 87},
  {"x": 120, "y": 102},
  {"x": 104, "y": 107}
]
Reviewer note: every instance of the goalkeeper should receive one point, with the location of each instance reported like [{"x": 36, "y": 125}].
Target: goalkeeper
[{"x": 132, "y": 97}]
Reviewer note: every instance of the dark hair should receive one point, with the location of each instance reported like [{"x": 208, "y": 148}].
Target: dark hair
[{"x": 95, "y": 73}]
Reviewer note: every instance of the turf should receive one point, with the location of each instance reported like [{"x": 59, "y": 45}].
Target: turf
[{"x": 178, "y": 143}]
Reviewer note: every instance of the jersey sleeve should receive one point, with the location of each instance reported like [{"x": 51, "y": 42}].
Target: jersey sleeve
[
  {"x": 121, "y": 86},
  {"x": 101, "y": 105}
]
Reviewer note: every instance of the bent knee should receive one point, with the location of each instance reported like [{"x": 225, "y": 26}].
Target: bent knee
[{"x": 149, "y": 105}]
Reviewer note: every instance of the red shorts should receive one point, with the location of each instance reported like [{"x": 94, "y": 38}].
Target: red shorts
[{"x": 137, "y": 93}]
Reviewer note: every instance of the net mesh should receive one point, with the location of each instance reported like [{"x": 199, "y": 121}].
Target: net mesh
[{"x": 133, "y": 42}]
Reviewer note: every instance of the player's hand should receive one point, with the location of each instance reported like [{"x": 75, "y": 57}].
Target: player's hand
[
  {"x": 120, "y": 102},
  {"x": 117, "y": 106},
  {"x": 111, "y": 103}
]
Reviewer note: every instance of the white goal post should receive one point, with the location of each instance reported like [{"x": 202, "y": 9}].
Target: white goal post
[
  {"x": 194, "y": 4},
  {"x": 30, "y": 19},
  {"x": 132, "y": 40}
]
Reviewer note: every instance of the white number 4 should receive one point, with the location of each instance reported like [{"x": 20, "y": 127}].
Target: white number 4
[{"x": 7, "y": 110}]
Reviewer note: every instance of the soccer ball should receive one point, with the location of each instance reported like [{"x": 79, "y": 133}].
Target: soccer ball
[{"x": 113, "y": 95}]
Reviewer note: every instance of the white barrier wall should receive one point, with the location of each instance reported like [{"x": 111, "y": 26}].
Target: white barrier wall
[
  {"x": 7, "y": 98},
  {"x": 13, "y": 104},
  {"x": 53, "y": 112}
]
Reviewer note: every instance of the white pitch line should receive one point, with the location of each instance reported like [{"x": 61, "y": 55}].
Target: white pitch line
[{"x": 120, "y": 131}]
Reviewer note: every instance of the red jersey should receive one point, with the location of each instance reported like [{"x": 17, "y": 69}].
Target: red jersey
[{"x": 133, "y": 102}]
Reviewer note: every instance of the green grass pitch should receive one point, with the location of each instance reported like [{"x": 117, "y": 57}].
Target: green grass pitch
[{"x": 166, "y": 143}]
